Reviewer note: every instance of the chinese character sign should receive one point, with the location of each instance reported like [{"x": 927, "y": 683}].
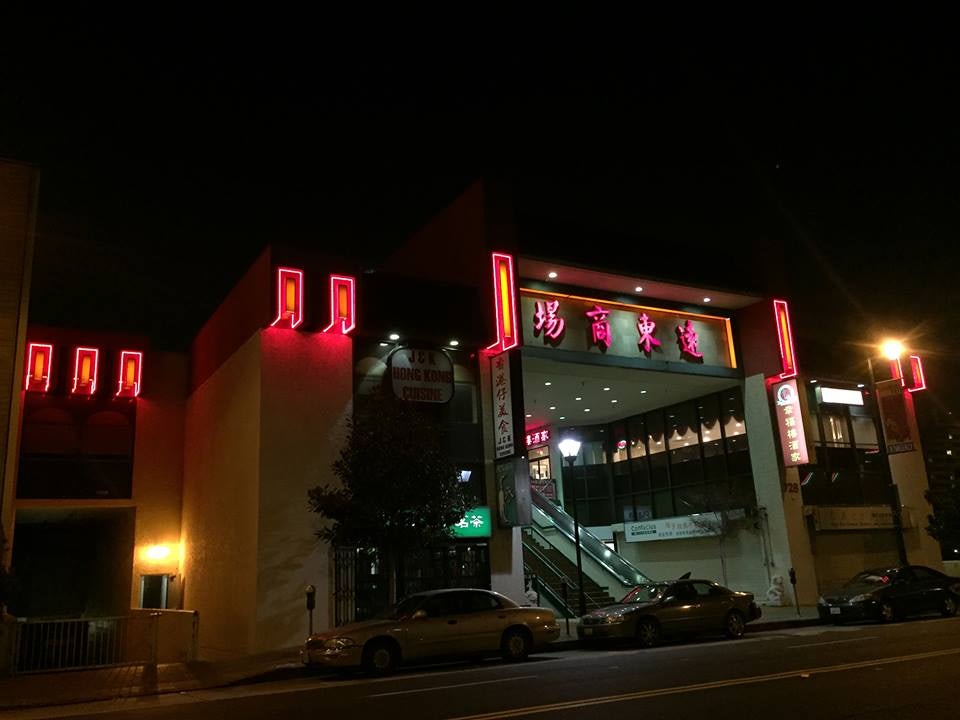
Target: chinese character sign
[
  {"x": 599, "y": 326},
  {"x": 546, "y": 320},
  {"x": 536, "y": 438},
  {"x": 687, "y": 340},
  {"x": 790, "y": 422},
  {"x": 475, "y": 523},
  {"x": 897, "y": 433},
  {"x": 646, "y": 328},
  {"x": 502, "y": 405}
]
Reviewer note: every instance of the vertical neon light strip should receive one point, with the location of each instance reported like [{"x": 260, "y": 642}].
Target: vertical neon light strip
[
  {"x": 85, "y": 364},
  {"x": 343, "y": 304},
  {"x": 788, "y": 357},
  {"x": 896, "y": 371},
  {"x": 131, "y": 372},
  {"x": 39, "y": 363},
  {"x": 289, "y": 296},
  {"x": 504, "y": 303},
  {"x": 916, "y": 370}
]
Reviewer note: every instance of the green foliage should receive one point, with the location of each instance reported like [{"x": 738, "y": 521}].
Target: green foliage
[{"x": 399, "y": 487}]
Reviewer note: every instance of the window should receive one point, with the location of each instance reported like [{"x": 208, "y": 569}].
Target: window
[
  {"x": 442, "y": 604},
  {"x": 835, "y": 430},
  {"x": 705, "y": 589},
  {"x": 540, "y": 464},
  {"x": 864, "y": 432},
  {"x": 479, "y": 602}
]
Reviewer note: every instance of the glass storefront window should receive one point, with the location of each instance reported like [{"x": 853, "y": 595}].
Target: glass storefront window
[
  {"x": 835, "y": 429},
  {"x": 684, "y": 444},
  {"x": 864, "y": 432}
]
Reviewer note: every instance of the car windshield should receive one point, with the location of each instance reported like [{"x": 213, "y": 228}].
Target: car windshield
[
  {"x": 873, "y": 577},
  {"x": 644, "y": 593},
  {"x": 402, "y": 609}
]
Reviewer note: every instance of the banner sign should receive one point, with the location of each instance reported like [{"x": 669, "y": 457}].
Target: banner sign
[
  {"x": 893, "y": 417},
  {"x": 567, "y": 322},
  {"x": 502, "y": 406},
  {"x": 513, "y": 492},
  {"x": 421, "y": 375},
  {"x": 674, "y": 528},
  {"x": 475, "y": 523},
  {"x": 860, "y": 517},
  {"x": 793, "y": 443}
]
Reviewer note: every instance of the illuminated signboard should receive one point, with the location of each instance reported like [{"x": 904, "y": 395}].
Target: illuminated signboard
[
  {"x": 790, "y": 422},
  {"x": 421, "y": 375},
  {"x": 289, "y": 298},
  {"x": 838, "y": 396},
  {"x": 538, "y": 437},
  {"x": 916, "y": 371},
  {"x": 502, "y": 405},
  {"x": 580, "y": 324},
  {"x": 897, "y": 432},
  {"x": 130, "y": 371},
  {"x": 504, "y": 303},
  {"x": 85, "y": 361},
  {"x": 39, "y": 362},
  {"x": 475, "y": 523},
  {"x": 343, "y": 304},
  {"x": 788, "y": 358}
]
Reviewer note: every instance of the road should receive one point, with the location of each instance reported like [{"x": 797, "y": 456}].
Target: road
[{"x": 904, "y": 670}]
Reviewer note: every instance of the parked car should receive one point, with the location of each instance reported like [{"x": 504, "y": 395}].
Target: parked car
[
  {"x": 653, "y": 610},
  {"x": 887, "y": 594},
  {"x": 432, "y": 625}
]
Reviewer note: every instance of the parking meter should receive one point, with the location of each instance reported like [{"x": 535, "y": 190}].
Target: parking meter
[
  {"x": 311, "y": 593},
  {"x": 793, "y": 583}
]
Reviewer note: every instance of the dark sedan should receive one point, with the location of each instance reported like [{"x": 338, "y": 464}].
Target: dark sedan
[
  {"x": 651, "y": 611},
  {"x": 887, "y": 594}
]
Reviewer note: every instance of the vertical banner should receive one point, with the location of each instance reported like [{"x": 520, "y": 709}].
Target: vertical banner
[
  {"x": 893, "y": 417},
  {"x": 513, "y": 493},
  {"x": 502, "y": 407},
  {"x": 793, "y": 442}
]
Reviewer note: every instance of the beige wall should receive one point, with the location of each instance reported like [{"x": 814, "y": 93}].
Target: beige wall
[
  {"x": 158, "y": 468},
  {"x": 841, "y": 554},
  {"x": 18, "y": 197},
  {"x": 306, "y": 399},
  {"x": 221, "y": 496}
]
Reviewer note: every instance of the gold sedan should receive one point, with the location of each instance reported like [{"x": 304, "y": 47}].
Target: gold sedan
[{"x": 435, "y": 624}]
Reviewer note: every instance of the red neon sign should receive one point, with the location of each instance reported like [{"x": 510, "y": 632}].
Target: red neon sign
[
  {"x": 788, "y": 357},
  {"x": 289, "y": 297},
  {"x": 536, "y": 438},
  {"x": 39, "y": 362},
  {"x": 131, "y": 369},
  {"x": 85, "y": 362},
  {"x": 504, "y": 303},
  {"x": 343, "y": 304},
  {"x": 896, "y": 371},
  {"x": 916, "y": 370}
]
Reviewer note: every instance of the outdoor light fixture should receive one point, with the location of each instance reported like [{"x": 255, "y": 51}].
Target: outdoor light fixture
[
  {"x": 570, "y": 448},
  {"x": 85, "y": 361},
  {"x": 39, "y": 361},
  {"x": 552, "y": 275},
  {"x": 638, "y": 288},
  {"x": 454, "y": 343},
  {"x": 606, "y": 389},
  {"x": 706, "y": 299},
  {"x": 548, "y": 383},
  {"x": 504, "y": 303},
  {"x": 553, "y": 407},
  {"x": 892, "y": 349},
  {"x": 289, "y": 297},
  {"x": 383, "y": 344},
  {"x": 130, "y": 373},
  {"x": 394, "y": 336},
  {"x": 343, "y": 304}
]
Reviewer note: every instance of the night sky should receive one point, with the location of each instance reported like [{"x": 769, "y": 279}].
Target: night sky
[{"x": 169, "y": 160}]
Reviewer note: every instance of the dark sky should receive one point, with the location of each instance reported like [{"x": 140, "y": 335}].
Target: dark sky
[{"x": 174, "y": 156}]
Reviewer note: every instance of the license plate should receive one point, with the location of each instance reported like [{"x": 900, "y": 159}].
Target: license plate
[
  {"x": 834, "y": 611},
  {"x": 588, "y": 631}
]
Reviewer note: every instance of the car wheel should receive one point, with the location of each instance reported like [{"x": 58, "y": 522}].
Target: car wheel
[
  {"x": 948, "y": 608},
  {"x": 380, "y": 657},
  {"x": 515, "y": 645},
  {"x": 648, "y": 632},
  {"x": 887, "y": 613},
  {"x": 734, "y": 625}
]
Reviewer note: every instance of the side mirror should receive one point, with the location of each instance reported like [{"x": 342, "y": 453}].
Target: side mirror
[
  {"x": 419, "y": 614},
  {"x": 670, "y": 600}
]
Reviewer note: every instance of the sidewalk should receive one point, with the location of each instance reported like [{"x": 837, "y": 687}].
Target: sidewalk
[{"x": 77, "y": 686}]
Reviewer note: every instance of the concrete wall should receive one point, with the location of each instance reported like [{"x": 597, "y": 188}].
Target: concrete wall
[
  {"x": 221, "y": 496},
  {"x": 158, "y": 469},
  {"x": 18, "y": 198},
  {"x": 841, "y": 554},
  {"x": 306, "y": 399}
]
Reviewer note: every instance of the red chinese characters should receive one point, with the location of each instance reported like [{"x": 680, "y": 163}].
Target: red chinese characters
[
  {"x": 599, "y": 326},
  {"x": 687, "y": 340},
  {"x": 537, "y": 438},
  {"x": 546, "y": 320},
  {"x": 646, "y": 328}
]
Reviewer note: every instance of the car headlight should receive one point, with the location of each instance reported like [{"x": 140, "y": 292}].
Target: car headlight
[
  {"x": 338, "y": 643},
  {"x": 614, "y": 619},
  {"x": 861, "y": 598}
]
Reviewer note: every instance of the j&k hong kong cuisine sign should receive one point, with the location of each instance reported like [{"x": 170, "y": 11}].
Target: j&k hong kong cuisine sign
[
  {"x": 421, "y": 375},
  {"x": 567, "y": 322}
]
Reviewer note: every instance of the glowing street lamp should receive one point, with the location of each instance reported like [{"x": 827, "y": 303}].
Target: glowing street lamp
[
  {"x": 570, "y": 448},
  {"x": 892, "y": 349}
]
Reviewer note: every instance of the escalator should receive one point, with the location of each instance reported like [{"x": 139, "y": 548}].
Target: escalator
[{"x": 549, "y": 561}]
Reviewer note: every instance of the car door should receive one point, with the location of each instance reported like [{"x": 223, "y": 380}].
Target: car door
[
  {"x": 482, "y": 621},
  {"x": 434, "y": 634},
  {"x": 680, "y": 611},
  {"x": 905, "y": 592},
  {"x": 715, "y": 602}
]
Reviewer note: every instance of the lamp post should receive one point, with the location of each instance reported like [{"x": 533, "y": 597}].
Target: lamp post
[
  {"x": 891, "y": 350},
  {"x": 570, "y": 448}
]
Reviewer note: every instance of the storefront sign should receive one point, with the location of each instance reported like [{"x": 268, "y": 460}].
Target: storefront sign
[
  {"x": 538, "y": 437},
  {"x": 513, "y": 492},
  {"x": 568, "y": 322},
  {"x": 502, "y": 406},
  {"x": 839, "y": 396},
  {"x": 675, "y": 528},
  {"x": 421, "y": 375},
  {"x": 475, "y": 523},
  {"x": 861, "y": 517},
  {"x": 793, "y": 443},
  {"x": 893, "y": 417}
]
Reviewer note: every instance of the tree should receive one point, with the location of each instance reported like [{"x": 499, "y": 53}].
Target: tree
[
  {"x": 944, "y": 524},
  {"x": 398, "y": 487},
  {"x": 727, "y": 503}
]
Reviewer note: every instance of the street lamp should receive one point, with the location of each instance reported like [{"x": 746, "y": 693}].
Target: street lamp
[{"x": 570, "y": 448}]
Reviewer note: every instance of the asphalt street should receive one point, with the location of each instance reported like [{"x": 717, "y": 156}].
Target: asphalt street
[{"x": 905, "y": 670}]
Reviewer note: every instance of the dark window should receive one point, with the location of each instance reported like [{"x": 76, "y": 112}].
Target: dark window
[
  {"x": 925, "y": 573},
  {"x": 442, "y": 604},
  {"x": 480, "y": 602}
]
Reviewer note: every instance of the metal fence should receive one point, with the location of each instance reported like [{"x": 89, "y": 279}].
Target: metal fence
[{"x": 143, "y": 637}]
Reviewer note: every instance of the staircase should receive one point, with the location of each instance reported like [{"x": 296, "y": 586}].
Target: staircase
[{"x": 554, "y": 569}]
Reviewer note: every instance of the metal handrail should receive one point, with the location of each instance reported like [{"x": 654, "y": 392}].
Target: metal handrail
[
  {"x": 541, "y": 587},
  {"x": 574, "y": 587},
  {"x": 590, "y": 543}
]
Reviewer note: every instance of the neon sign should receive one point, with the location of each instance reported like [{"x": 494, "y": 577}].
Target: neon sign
[
  {"x": 536, "y": 438},
  {"x": 646, "y": 326},
  {"x": 546, "y": 320},
  {"x": 343, "y": 304},
  {"x": 39, "y": 362},
  {"x": 788, "y": 358},
  {"x": 85, "y": 361},
  {"x": 916, "y": 371},
  {"x": 130, "y": 370},
  {"x": 475, "y": 523},
  {"x": 793, "y": 442},
  {"x": 687, "y": 340},
  {"x": 504, "y": 303},
  {"x": 289, "y": 297},
  {"x": 599, "y": 326}
]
